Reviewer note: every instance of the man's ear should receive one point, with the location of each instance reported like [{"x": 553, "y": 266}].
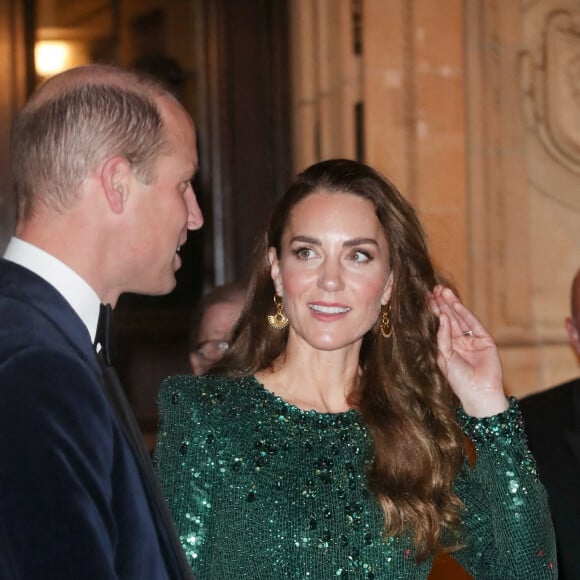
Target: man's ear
[
  {"x": 573, "y": 335},
  {"x": 388, "y": 290},
  {"x": 115, "y": 180},
  {"x": 275, "y": 270}
]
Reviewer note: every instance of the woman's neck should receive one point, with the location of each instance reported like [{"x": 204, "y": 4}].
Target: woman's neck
[{"x": 313, "y": 379}]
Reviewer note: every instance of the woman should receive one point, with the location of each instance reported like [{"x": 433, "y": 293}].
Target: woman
[{"x": 330, "y": 440}]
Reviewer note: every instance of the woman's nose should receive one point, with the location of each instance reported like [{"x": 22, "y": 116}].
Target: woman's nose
[{"x": 330, "y": 277}]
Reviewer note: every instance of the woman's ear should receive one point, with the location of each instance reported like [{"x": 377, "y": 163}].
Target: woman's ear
[
  {"x": 115, "y": 180},
  {"x": 275, "y": 270},
  {"x": 388, "y": 290}
]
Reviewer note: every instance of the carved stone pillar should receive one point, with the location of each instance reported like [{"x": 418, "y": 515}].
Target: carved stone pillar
[
  {"x": 326, "y": 81},
  {"x": 414, "y": 127}
]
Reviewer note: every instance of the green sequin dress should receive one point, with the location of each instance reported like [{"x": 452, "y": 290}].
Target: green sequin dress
[{"x": 263, "y": 490}]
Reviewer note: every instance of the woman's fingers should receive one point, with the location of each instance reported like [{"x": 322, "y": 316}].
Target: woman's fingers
[{"x": 462, "y": 320}]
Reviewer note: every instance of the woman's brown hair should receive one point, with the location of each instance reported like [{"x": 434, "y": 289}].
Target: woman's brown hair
[{"x": 402, "y": 397}]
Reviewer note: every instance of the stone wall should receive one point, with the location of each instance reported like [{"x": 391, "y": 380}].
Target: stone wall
[{"x": 473, "y": 109}]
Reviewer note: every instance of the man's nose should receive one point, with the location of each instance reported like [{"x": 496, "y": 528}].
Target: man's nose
[{"x": 194, "y": 215}]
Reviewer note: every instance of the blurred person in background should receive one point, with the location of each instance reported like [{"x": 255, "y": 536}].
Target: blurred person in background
[{"x": 213, "y": 321}]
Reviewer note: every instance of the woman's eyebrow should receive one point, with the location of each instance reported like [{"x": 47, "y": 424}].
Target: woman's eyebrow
[
  {"x": 360, "y": 242},
  {"x": 306, "y": 240}
]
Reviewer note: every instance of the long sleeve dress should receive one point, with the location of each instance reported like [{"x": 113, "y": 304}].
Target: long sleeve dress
[{"x": 263, "y": 490}]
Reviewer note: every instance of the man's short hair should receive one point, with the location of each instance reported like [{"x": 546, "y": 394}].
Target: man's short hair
[{"x": 58, "y": 140}]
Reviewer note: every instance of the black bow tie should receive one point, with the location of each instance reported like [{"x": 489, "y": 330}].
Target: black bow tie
[{"x": 105, "y": 335}]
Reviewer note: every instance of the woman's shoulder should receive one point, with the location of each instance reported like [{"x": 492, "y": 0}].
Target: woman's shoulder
[{"x": 192, "y": 391}]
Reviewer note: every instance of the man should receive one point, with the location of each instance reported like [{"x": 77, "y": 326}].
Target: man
[
  {"x": 552, "y": 420},
  {"x": 102, "y": 162}
]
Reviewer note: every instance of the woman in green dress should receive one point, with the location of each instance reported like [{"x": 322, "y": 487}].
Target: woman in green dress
[{"x": 332, "y": 439}]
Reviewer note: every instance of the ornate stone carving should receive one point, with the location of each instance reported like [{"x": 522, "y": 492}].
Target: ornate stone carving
[{"x": 551, "y": 83}]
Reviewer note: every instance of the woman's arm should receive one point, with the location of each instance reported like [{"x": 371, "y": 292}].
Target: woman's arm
[{"x": 507, "y": 525}]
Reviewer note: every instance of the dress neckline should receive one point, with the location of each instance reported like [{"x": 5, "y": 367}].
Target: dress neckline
[{"x": 291, "y": 409}]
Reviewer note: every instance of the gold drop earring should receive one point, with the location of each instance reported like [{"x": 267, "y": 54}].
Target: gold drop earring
[
  {"x": 278, "y": 320},
  {"x": 385, "y": 323}
]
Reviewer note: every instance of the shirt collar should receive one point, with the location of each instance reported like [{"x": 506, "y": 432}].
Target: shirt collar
[{"x": 76, "y": 291}]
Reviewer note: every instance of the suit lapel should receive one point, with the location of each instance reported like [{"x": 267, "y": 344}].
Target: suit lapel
[{"x": 172, "y": 547}]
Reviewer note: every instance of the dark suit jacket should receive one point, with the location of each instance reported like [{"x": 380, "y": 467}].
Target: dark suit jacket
[
  {"x": 552, "y": 420},
  {"x": 74, "y": 502}
]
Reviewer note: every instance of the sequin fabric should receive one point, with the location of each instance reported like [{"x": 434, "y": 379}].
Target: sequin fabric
[{"x": 261, "y": 489}]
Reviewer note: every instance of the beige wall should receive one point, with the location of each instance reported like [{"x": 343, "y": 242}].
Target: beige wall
[{"x": 473, "y": 108}]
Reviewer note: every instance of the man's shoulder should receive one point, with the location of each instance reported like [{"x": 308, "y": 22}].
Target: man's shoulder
[
  {"x": 12, "y": 273},
  {"x": 34, "y": 314},
  {"x": 23, "y": 294},
  {"x": 553, "y": 394},
  {"x": 553, "y": 401},
  {"x": 24, "y": 325}
]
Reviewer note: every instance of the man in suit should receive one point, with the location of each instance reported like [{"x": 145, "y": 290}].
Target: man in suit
[
  {"x": 552, "y": 420},
  {"x": 102, "y": 162}
]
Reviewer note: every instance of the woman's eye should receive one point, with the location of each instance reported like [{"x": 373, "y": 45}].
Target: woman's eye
[
  {"x": 304, "y": 253},
  {"x": 360, "y": 256}
]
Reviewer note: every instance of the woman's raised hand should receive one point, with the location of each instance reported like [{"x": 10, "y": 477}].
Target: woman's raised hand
[{"x": 468, "y": 356}]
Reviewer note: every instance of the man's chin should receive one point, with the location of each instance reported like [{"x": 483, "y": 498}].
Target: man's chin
[
  {"x": 158, "y": 289},
  {"x": 168, "y": 289}
]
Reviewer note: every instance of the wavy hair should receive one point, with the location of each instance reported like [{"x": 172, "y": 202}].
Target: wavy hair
[{"x": 403, "y": 398}]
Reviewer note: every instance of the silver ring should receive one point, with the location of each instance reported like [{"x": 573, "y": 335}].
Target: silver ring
[{"x": 468, "y": 332}]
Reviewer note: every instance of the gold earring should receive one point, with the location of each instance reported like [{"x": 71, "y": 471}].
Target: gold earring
[
  {"x": 278, "y": 320},
  {"x": 385, "y": 324}
]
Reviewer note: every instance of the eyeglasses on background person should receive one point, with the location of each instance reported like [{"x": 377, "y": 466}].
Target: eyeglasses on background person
[{"x": 213, "y": 319}]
